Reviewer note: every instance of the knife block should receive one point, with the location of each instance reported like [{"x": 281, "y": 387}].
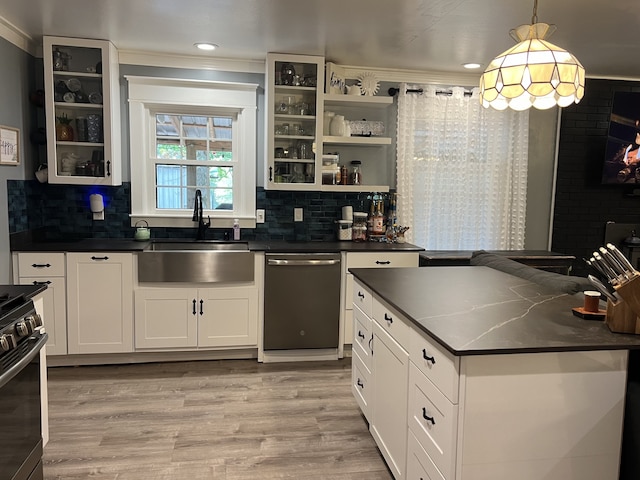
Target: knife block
[{"x": 622, "y": 316}]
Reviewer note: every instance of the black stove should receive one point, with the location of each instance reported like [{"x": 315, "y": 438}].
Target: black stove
[
  {"x": 18, "y": 320},
  {"x": 21, "y": 342}
]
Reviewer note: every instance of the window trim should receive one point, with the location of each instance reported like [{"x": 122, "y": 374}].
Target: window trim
[{"x": 151, "y": 95}]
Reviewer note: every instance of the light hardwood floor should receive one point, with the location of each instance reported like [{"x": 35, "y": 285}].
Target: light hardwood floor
[{"x": 222, "y": 420}]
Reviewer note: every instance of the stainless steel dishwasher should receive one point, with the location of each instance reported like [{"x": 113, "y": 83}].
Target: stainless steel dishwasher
[{"x": 301, "y": 301}]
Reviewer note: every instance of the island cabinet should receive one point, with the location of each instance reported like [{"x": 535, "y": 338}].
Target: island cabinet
[
  {"x": 196, "y": 317},
  {"x": 553, "y": 415},
  {"x": 99, "y": 302},
  {"x": 48, "y": 268}
]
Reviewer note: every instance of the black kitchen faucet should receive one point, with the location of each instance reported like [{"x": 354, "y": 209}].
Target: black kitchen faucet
[{"x": 198, "y": 216}]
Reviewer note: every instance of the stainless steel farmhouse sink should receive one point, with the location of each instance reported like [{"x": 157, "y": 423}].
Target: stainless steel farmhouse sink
[{"x": 196, "y": 262}]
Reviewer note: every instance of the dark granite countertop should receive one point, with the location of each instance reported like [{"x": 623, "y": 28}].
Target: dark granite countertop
[
  {"x": 125, "y": 245},
  {"x": 479, "y": 311},
  {"x": 29, "y": 291}
]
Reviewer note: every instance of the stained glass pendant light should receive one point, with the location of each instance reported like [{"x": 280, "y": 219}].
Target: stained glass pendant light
[{"x": 534, "y": 73}]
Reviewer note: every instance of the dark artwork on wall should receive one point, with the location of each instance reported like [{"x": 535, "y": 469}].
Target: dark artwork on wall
[{"x": 622, "y": 157}]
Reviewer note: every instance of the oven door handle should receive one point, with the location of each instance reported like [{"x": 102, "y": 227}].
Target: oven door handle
[
  {"x": 306, "y": 263},
  {"x": 7, "y": 376}
]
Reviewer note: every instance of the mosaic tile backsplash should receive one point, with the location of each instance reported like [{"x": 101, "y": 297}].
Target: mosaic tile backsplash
[{"x": 63, "y": 212}]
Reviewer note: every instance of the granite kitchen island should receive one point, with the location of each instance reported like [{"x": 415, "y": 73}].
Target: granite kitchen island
[{"x": 469, "y": 373}]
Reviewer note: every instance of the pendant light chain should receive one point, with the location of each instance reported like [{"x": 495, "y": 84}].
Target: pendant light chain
[{"x": 534, "y": 18}]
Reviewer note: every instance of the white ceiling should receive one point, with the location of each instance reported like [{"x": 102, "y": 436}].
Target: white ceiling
[{"x": 425, "y": 35}]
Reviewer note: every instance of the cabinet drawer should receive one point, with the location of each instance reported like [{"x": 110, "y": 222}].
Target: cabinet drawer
[
  {"x": 361, "y": 384},
  {"x": 39, "y": 264},
  {"x": 419, "y": 465},
  {"x": 362, "y": 298},
  {"x": 433, "y": 419},
  {"x": 362, "y": 336},
  {"x": 382, "y": 259},
  {"x": 435, "y": 363},
  {"x": 392, "y": 322}
]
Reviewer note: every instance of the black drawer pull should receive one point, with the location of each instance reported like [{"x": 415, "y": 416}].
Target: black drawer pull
[
  {"x": 48, "y": 282},
  {"x": 371, "y": 346},
  {"x": 360, "y": 384},
  {"x": 427, "y": 357},
  {"x": 194, "y": 306},
  {"x": 360, "y": 334},
  {"x": 360, "y": 294},
  {"x": 99, "y": 258},
  {"x": 386, "y": 262},
  {"x": 427, "y": 417},
  {"x": 41, "y": 265},
  {"x": 388, "y": 318},
  {"x": 201, "y": 311}
]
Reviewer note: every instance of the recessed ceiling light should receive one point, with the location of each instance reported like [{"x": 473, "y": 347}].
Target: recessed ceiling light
[
  {"x": 471, "y": 66},
  {"x": 206, "y": 46}
]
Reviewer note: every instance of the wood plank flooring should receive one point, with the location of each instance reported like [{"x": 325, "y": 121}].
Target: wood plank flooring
[{"x": 222, "y": 420}]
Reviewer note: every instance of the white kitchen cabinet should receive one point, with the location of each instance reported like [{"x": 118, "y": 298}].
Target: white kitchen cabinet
[
  {"x": 367, "y": 260},
  {"x": 551, "y": 415},
  {"x": 100, "y": 302},
  {"x": 185, "y": 318},
  {"x": 82, "y": 88},
  {"x": 48, "y": 268},
  {"x": 389, "y": 401},
  {"x": 293, "y": 123}
]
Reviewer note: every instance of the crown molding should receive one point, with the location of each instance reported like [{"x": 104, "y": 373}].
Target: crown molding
[
  {"x": 151, "y": 59},
  {"x": 415, "y": 76},
  {"x": 19, "y": 38}
]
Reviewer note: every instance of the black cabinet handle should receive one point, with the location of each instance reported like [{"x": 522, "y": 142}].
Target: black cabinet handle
[
  {"x": 41, "y": 265},
  {"x": 388, "y": 318},
  {"x": 99, "y": 258},
  {"x": 35, "y": 282},
  {"x": 194, "y": 306},
  {"x": 271, "y": 174},
  {"x": 426, "y": 417},
  {"x": 370, "y": 345},
  {"x": 360, "y": 294},
  {"x": 360, "y": 334},
  {"x": 201, "y": 302},
  {"x": 386, "y": 262},
  {"x": 427, "y": 357},
  {"x": 108, "y": 168},
  {"x": 359, "y": 383}
]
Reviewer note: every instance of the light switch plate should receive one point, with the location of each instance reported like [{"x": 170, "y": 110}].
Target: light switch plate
[
  {"x": 297, "y": 214},
  {"x": 260, "y": 215}
]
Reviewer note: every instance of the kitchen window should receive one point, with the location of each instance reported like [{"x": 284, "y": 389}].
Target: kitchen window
[{"x": 189, "y": 135}]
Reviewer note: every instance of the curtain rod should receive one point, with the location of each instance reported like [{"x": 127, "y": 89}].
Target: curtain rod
[{"x": 393, "y": 91}]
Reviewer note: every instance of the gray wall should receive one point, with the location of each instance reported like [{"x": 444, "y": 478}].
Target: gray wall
[
  {"x": 542, "y": 145},
  {"x": 16, "y": 82}
]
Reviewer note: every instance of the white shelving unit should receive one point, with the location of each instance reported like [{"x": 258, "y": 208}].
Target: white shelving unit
[{"x": 81, "y": 85}]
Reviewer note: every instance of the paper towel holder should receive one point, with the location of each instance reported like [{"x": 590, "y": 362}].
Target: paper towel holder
[{"x": 97, "y": 206}]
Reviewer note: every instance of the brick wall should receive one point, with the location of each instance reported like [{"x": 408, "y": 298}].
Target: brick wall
[{"x": 582, "y": 204}]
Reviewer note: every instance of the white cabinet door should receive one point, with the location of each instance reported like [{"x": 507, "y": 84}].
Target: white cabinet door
[
  {"x": 390, "y": 383},
  {"x": 166, "y": 317},
  {"x": 54, "y": 312},
  {"x": 83, "y": 95},
  {"x": 229, "y": 317},
  {"x": 100, "y": 302}
]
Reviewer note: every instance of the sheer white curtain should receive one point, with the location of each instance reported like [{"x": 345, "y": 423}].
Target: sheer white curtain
[{"x": 462, "y": 171}]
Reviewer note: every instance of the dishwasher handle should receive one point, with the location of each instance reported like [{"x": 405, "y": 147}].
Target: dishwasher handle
[{"x": 306, "y": 263}]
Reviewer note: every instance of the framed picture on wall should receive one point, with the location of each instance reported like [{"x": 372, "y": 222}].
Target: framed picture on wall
[{"x": 9, "y": 145}]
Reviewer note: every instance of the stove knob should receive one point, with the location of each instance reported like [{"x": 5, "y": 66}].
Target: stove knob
[
  {"x": 22, "y": 329},
  {"x": 7, "y": 342},
  {"x": 35, "y": 320}
]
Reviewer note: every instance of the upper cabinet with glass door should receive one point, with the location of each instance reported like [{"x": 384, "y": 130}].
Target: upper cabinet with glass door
[
  {"x": 82, "y": 111},
  {"x": 294, "y": 122}
]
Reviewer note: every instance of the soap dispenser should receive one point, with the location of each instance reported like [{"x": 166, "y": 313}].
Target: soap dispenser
[{"x": 236, "y": 229}]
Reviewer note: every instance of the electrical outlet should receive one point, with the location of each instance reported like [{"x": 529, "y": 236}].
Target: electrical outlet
[
  {"x": 297, "y": 214},
  {"x": 260, "y": 215}
]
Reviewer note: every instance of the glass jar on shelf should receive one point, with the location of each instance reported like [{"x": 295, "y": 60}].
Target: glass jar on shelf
[{"x": 355, "y": 176}]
